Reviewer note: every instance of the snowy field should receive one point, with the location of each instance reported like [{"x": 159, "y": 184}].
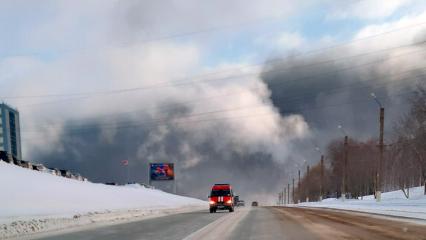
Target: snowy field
[
  {"x": 393, "y": 204},
  {"x": 32, "y": 201}
]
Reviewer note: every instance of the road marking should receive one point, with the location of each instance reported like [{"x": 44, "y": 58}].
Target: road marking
[{"x": 221, "y": 228}]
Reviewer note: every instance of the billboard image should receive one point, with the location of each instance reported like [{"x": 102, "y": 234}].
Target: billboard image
[{"x": 161, "y": 171}]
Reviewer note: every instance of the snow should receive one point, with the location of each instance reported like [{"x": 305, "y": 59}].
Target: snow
[
  {"x": 32, "y": 201},
  {"x": 393, "y": 204}
]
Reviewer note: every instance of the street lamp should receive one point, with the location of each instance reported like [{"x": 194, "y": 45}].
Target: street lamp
[
  {"x": 342, "y": 129},
  {"x": 322, "y": 172},
  {"x": 306, "y": 190},
  {"x": 381, "y": 147},
  {"x": 345, "y": 163},
  {"x": 373, "y": 95},
  {"x": 318, "y": 150}
]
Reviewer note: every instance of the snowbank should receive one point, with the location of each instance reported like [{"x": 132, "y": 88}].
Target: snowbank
[
  {"x": 30, "y": 200},
  {"x": 393, "y": 204}
]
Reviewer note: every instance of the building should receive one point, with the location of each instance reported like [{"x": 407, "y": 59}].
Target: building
[{"x": 10, "y": 133}]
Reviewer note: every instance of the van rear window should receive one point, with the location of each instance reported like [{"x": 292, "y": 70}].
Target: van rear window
[{"x": 220, "y": 193}]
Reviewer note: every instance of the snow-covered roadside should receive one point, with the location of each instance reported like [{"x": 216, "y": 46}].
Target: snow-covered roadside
[
  {"x": 392, "y": 204},
  {"x": 32, "y": 202},
  {"x": 20, "y": 229}
]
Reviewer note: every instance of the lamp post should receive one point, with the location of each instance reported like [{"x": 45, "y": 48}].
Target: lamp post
[
  {"x": 307, "y": 183},
  {"x": 381, "y": 147},
  {"x": 298, "y": 187},
  {"x": 292, "y": 193},
  {"x": 345, "y": 163},
  {"x": 288, "y": 193},
  {"x": 322, "y": 173}
]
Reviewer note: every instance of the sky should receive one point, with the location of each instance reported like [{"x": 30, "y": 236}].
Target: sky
[{"x": 230, "y": 91}]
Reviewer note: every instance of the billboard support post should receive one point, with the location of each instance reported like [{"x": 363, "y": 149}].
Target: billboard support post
[{"x": 149, "y": 175}]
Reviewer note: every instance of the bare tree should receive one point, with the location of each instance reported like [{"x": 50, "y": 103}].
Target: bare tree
[{"x": 411, "y": 131}]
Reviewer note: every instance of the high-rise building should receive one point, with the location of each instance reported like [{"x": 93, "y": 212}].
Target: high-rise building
[{"x": 10, "y": 132}]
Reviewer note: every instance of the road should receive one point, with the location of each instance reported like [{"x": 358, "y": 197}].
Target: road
[{"x": 256, "y": 223}]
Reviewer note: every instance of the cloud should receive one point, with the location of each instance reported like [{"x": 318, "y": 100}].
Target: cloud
[
  {"x": 141, "y": 19},
  {"x": 368, "y": 9},
  {"x": 290, "y": 41}
]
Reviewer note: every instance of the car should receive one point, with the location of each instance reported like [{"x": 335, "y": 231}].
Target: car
[
  {"x": 221, "y": 198},
  {"x": 51, "y": 171},
  {"x": 39, "y": 167},
  {"x": 25, "y": 164},
  {"x": 254, "y": 204},
  {"x": 65, "y": 173},
  {"x": 241, "y": 203},
  {"x": 111, "y": 183},
  {"x": 236, "y": 199}
]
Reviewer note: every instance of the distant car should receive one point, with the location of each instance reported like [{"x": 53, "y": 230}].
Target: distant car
[
  {"x": 112, "y": 183},
  {"x": 53, "y": 171},
  {"x": 65, "y": 173},
  {"x": 78, "y": 177},
  {"x": 254, "y": 204},
  {"x": 39, "y": 167},
  {"x": 75, "y": 176},
  {"x": 221, "y": 198},
  {"x": 241, "y": 203},
  {"x": 25, "y": 164}
]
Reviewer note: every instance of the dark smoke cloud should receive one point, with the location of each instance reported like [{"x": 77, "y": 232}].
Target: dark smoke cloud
[
  {"x": 331, "y": 93},
  {"x": 220, "y": 162}
]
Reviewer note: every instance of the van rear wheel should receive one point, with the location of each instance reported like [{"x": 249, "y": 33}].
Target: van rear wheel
[{"x": 231, "y": 209}]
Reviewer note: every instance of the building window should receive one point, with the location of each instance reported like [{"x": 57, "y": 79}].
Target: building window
[{"x": 13, "y": 140}]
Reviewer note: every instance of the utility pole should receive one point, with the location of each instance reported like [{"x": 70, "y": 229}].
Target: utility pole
[
  {"x": 345, "y": 167},
  {"x": 381, "y": 149},
  {"x": 288, "y": 195},
  {"x": 280, "y": 202},
  {"x": 308, "y": 182},
  {"x": 298, "y": 188},
  {"x": 322, "y": 177},
  {"x": 279, "y": 198},
  {"x": 285, "y": 193},
  {"x": 294, "y": 200}
]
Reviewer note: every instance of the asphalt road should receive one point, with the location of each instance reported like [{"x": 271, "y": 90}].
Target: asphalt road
[{"x": 256, "y": 223}]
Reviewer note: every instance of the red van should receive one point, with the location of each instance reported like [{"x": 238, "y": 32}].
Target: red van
[{"x": 221, "y": 198}]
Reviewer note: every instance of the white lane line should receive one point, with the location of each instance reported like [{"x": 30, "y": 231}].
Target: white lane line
[{"x": 221, "y": 228}]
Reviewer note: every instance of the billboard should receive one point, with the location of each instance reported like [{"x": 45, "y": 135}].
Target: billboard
[{"x": 161, "y": 171}]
